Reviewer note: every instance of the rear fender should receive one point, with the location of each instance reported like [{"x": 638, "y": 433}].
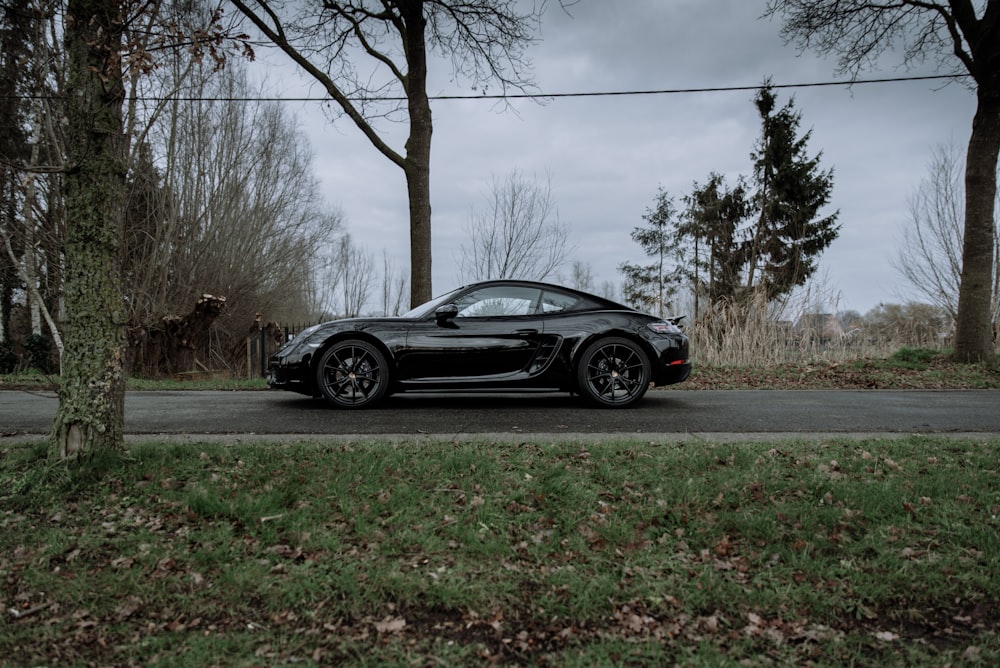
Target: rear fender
[{"x": 582, "y": 344}]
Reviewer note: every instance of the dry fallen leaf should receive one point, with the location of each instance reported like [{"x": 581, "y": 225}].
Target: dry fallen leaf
[{"x": 390, "y": 625}]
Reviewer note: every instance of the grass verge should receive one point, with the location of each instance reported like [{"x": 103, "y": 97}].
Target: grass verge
[
  {"x": 32, "y": 380},
  {"x": 622, "y": 553},
  {"x": 907, "y": 368}
]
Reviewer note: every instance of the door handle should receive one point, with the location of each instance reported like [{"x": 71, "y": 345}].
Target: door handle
[{"x": 526, "y": 332}]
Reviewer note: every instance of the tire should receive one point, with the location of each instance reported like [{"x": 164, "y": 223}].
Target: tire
[
  {"x": 353, "y": 374},
  {"x": 613, "y": 373}
]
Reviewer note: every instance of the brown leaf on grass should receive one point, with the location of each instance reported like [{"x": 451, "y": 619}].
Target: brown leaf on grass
[
  {"x": 757, "y": 492},
  {"x": 911, "y": 553},
  {"x": 128, "y": 607},
  {"x": 390, "y": 625},
  {"x": 284, "y": 551},
  {"x": 122, "y": 562},
  {"x": 633, "y": 620},
  {"x": 165, "y": 565},
  {"x": 709, "y": 624},
  {"x": 590, "y": 535},
  {"x": 972, "y": 653},
  {"x": 724, "y": 547}
]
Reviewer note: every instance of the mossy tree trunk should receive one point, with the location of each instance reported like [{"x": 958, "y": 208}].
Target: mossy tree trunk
[{"x": 91, "y": 401}]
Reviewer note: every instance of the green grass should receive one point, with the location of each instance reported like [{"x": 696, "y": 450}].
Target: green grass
[
  {"x": 167, "y": 384},
  {"x": 906, "y": 368},
  {"x": 35, "y": 380},
  {"x": 448, "y": 553},
  {"x": 913, "y": 358}
]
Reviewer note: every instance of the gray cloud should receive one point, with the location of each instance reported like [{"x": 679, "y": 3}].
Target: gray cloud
[{"x": 606, "y": 156}]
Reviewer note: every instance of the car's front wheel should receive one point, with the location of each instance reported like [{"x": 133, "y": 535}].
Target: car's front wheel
[
  {"x": 613, "y": 373},
  {"x": 353, "y": 374}
]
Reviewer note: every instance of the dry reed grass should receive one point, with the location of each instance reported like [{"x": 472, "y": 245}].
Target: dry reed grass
[{"x": 757, "y": 334}]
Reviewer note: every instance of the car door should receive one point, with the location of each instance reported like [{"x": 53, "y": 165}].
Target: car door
[{"x": 492, "y": 337}]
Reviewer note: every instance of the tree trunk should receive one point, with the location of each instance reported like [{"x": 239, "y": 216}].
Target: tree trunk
[
  {"x": 175, "y": 343},
  {"x": 419, "y": 192},
  {"x": 973, "y": 329},
  {"x": 91, "y": 400},
  {"x": 418, "y": 154}
]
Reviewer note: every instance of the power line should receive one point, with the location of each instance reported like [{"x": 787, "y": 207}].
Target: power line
[
  {"x": 718, "y": 89},
  {"x": 534, "y": 96}
]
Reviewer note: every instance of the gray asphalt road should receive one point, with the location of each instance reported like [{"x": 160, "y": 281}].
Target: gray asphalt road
[{"x": 742, "y": 412}]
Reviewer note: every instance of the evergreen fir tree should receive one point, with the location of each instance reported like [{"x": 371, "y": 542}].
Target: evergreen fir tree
[
  {"x": 787, "y": 237},
  {"x": 711, "y": 229},
  {"x": 652, "y": 285}
]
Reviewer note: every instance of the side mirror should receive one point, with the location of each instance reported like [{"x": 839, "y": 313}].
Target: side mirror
[{"x": 445, "y": 313}]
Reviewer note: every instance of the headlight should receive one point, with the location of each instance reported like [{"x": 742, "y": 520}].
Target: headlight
[
  {"x": 306, "y": 333},
  {"x": 301, "y": 340}
]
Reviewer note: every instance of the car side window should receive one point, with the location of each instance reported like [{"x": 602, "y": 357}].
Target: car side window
[
  {"x": 498, "y": 301},
  {"x": 555, "y": 302}
]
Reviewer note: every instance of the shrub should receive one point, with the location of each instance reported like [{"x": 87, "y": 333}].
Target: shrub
[
  {"x": 8, "y": 360},
  {"x": 913, "y": 358},
  {"x": 39, "y": 349}
]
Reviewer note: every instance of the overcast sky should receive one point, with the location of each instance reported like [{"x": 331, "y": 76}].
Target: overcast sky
[{"x": 606, "y": 157}]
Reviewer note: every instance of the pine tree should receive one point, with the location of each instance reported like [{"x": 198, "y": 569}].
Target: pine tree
[
  {"x": 711, "y": 231},
  {"x": 652, "y": 285},
  {"x": 791, "y": 189}
]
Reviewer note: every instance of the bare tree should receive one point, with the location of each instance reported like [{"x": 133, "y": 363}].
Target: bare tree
[
  {"x": 517, "y": 235},
  {"x": 229, "y": 210},
  {"x": 964, "y": 35},
  {"x": 357, "y": 278},
  {"x": 32, "y": 158},
  {"x": 484, "y": 39},
  {"x": 930, "y": 253},
  {"x": 609, "y": 290},
  {"x": 345, "y": 281},
  {"x": 393, "y": 287},
  {"x": 581, "y": 276}
]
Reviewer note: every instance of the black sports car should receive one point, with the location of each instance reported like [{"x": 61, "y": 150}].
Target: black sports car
[{"x": 496, "y": 335}]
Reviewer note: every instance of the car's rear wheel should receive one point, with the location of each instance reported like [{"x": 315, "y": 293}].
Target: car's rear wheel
[
  {"x": 353, "y": 374},
  {"x": 613, "y": 373}
]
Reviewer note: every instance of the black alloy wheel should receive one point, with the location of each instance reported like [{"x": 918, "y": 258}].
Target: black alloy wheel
[
  {"x": 613, "y": 373},
  {"x": 353, "y": 374}
]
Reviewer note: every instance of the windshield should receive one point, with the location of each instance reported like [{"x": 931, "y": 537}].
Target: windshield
[{"x": 427, "y": 308}]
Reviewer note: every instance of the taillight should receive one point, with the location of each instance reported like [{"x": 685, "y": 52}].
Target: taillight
[{"x": 664, "y": 327}]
